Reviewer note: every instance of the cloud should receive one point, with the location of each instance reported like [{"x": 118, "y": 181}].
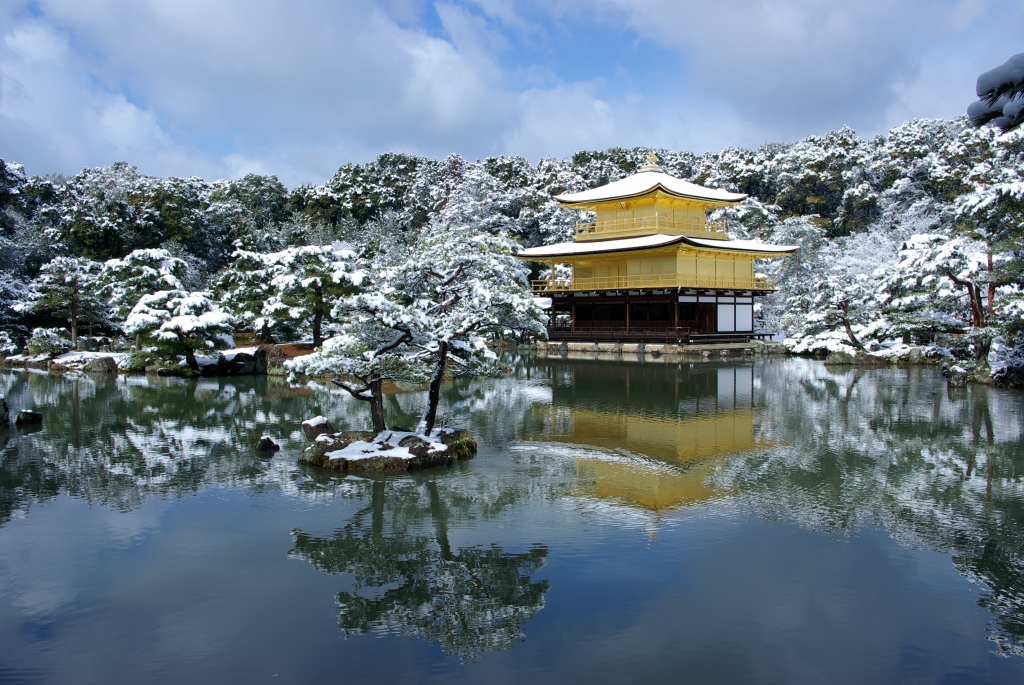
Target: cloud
[
  {"x": 268, "y": 81},
  {"x": 52, "y": 113},
  {"x": 222, "y": 87},
  {"x": 802, "y": 65}
]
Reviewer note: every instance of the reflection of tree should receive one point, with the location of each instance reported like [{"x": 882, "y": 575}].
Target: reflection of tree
[
  {"x": 469, "y": 600},
  {"x": 937, "y": 469},
  {"x": 117, "y": 440}
]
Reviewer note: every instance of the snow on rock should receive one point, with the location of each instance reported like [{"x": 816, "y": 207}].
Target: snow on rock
[
  {"x": 315, "y": 427},
  {"x": 389, "y": 450},
  {"x": 387, "y": 444},
  {"x": 71, "y": 361}
]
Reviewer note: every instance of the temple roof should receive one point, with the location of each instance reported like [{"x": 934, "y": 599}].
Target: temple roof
[
  {"x": 647, "y": 181},
  {"x": 648, "y": 242}
]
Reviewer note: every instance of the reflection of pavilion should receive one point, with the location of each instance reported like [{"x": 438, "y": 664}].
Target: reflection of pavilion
[{"x": 687, "y": 423}]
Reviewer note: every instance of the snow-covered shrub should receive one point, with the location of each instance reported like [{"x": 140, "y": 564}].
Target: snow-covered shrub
[
  {"x": 177, "y": 322},
  {"x": 50, "y": 341},
  {"x": 8, "y": 345}
]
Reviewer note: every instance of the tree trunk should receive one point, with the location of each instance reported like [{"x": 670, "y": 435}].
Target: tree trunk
[
  {"x": 845, "y": 306},
  {"x": 377, "y": 406},
  {"x": 849, "y": 334},
  {"x": 265, "y": 335},
  {"x": 318, "y": 318},
  {"x": 190, "y": 359},
  {"x": 434, "y": 393},
  {"x": 982, "y": 343},
  {"x": 991, "y": 288},
  {"x": 982, "y": 346},
  {"x": 74, "y": 322}
]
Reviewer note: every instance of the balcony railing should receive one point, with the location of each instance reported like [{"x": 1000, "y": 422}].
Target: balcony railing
[
  {"x": 650, "y": 224},
  {"x": 652, "y": 281}
]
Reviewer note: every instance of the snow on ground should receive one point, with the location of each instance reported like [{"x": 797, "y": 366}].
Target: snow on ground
[{"x": 69, "y": 358}]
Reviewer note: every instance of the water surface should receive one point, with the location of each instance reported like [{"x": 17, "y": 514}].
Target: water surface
[{"x": 623, "y": 521}]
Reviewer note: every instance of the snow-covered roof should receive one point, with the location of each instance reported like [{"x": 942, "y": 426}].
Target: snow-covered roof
[
  {"x": 648, "y": 242},
  {"x": 647, "y": 181}
]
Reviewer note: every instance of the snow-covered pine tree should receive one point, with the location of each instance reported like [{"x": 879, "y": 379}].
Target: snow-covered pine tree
[
  {"x": 307, "y": 281},
  {"x": 68, "y": 287},
  {"x": 939, "y": 285},
  {"x": 1000, "y": 96},
  {"x": 245, "y": 287},
  {"x": 177, "y": 322},
  {"x": 461, "y": 286},
  {"x": 123, "y": 282},
  {"x": 366, "y": 354}
]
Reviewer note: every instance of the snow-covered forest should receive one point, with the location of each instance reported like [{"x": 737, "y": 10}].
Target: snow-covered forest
[{"x": 912, "y": 238}]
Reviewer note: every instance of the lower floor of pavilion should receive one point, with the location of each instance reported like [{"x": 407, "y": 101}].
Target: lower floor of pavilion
[{"x": 674, "y": 315}]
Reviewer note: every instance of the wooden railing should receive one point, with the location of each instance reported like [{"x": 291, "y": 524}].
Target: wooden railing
[
  {"x": 652, "y": 281},
  {"x": 650, "y": 224}
]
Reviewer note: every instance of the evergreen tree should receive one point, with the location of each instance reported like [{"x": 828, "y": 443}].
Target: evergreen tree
[
  {"x": 67, "y": 288},
  {"x": 177, "y": 322},
  {"x": 123, "y": 282}
]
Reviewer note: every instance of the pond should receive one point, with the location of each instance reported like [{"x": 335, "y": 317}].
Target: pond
[{"x": 628, "y": 521}]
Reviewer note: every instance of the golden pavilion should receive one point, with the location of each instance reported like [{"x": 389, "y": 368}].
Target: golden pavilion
[{"x": 651, "y": 266}]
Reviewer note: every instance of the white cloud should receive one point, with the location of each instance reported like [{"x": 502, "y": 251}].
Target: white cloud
[
  {"x": 223, "y": 87},
  {"x": 55, "y": 118},
  {"x": 796, "y": 66}
]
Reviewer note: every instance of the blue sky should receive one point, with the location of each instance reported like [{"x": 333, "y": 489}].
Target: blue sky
[{"x": 219, "y": 88}]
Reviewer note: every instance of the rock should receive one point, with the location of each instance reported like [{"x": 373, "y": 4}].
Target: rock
[
  {"x": 265, "y": 355},
  {"x": 1009, "y": 376},
  {"x": 959, "y": 376},
  {"x": 5, "y": 413},
  {"x": 240, "y": 364},
  {"x": 101, "y": 365},
  {"x": 859, "y": 358},
  {"x": 26, "y": 417},
  {"x": 316, "y": 426},
  {"x": 459, "y": 441},
  {"x": 315, "y": 454},
  {"x": 267, "y": 446},
  {"x": 416, "y": 445}
]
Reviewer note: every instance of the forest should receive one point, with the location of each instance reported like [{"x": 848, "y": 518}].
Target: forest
[{"x": 910, "y": 239}]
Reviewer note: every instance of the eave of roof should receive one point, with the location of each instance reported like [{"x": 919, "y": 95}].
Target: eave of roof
[
  {"x": 650, "y": 242},
  {"x": 645, "y": 183}
]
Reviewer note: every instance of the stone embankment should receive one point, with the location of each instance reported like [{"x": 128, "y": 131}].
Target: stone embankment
[
  {"x": 258, "y": 360},
  {"x": 656, "y": 352},
  {"x": 906, "y": 356}
]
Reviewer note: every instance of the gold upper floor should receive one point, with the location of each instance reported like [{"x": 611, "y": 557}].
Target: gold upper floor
[{"x": 657, "y": 213}]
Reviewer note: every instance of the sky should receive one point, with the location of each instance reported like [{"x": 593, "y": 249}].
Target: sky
[{"x": 221, "y": 88}]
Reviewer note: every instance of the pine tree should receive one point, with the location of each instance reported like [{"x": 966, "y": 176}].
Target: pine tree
[
  {"x": 68, "y": 287},
  {"x": 177, "y": 322}
]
